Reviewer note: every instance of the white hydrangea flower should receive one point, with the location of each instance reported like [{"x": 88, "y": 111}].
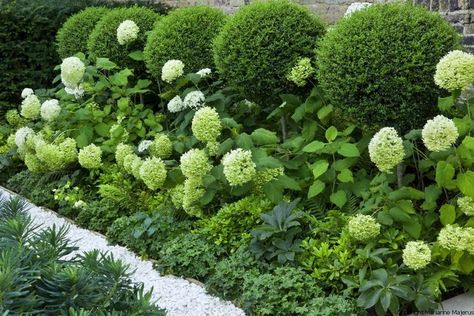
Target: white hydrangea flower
[
  {"x": 26, "y": 92},
  {"x": 127, "y": 32},
  {"x": 416, "y": 255},
  {"x": 21, "y": 135},
  {"x": 204, "y": 72},
  {"x": 239, "y": 167},
  {"x": 455, "y": 71},
  {"x": 72, "y": 71},
  {"x": 439, "y": 133},
  {"x": 386, "y": 149},
  {"x": 176, "y": 105},
  {"x": 144, "y": 145},
  {"x": 50, "y": 110},
  {"x": 194, "y": 100},
  {"x": 77, "y": 91},
  {"x": 30, "y": 107},
  {"x": 172, "y": 70}
]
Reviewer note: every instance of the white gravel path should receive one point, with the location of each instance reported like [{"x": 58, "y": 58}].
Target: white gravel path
[{"x": 178, "y": 296}]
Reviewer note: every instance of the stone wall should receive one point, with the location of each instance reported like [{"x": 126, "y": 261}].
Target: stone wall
[{"x": 459, "y": 12}]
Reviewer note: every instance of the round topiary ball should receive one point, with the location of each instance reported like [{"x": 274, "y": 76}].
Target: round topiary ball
[
  {"x": 72, "y": 36},
  {"x": 103, "y": 40},
  {"x": 185, "y": 34},
  {"x": 377, "y": 65},
  {"x": 259, "y": 46}
]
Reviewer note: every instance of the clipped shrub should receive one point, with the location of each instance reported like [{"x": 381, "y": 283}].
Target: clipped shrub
[
  {"x": 377, "y": 66},
  {"x": 103, "y": 41},
  {"x": 258, "y": 47},
  {"x": 27, "y": 30},
  {"x": 73, "y": 35},
  {"x": 185, "y": 34}
]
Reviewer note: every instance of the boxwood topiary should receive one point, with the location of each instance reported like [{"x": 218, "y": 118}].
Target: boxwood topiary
[
  {"x": 72, "y": 36},
  {"x": 185, "y": 34},
  {"x": 103, "y": 42},
  {"x": 258, "y": 47},
  {"x": 377, "y": 65}
]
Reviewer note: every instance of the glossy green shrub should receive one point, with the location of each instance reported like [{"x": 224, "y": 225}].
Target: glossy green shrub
[
  {"x": 185, "y": 34},
  {"x": 103, "y": 42},
  {"x": 27, "y": 54},
  {"x": 258, "y": 47},
  {"x": 73, "y": 35},
  {"x": 232, "y": 224},
  {"x": 377, "y": 66}
]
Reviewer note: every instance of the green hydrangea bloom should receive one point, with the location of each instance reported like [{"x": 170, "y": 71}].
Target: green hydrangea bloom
[
  {"x": 161, "y": 147},
  {"x": 193, "y": 192},
  {"x": 90, "y": 157},
  {"x": 386, "y": 149},
  {"x": 13, "y": 118},
  {"x": 153, "y": 173},
  {"x": 363, "y": 227},
  {"x": 177, "y": 196},
  {"x": 455, "y": 71},
  {"x": 195, "y": 164},
  {"x": 21, "y": 136},
  {"x": 416, "y": 255},
  {"x": 439, "y": 134},
  {"x": 121, "y": 152},
  {"x": 72, "y": 71},
  {"x": 30, "y": 107},
  {"x": 466, "y": 204},
  {"x": 33, "y": 163},
  {"x": 212, "y": 148},
  {"x": 51, "y": 156},
  {"x": 68, "y": 148},
  {"x": 453, "y": 237},
  {"x": 239, "y": 167},
  {"x": 264, "y": 176},
  {"x": 129, "y": 161},
  {"x": 136, "y": 165},
  {"x": 300, "y": 73},
  {"x": 206, "y": 125}
]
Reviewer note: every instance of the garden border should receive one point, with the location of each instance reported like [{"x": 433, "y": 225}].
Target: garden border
[{"x": 180, "y": 297}]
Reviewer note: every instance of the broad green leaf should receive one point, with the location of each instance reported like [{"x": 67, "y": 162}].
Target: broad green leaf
[
  {"x": 288, "y": 183},
  {"x": 447, "y": 214},
  {"x": 102, "y": 129},
  {"x": 105, "y": 63},
  {"x": 399, "y": 215},
  {"x": 244, "y": 141},
  {"x": 466, "y": 183},
  {"x": 348, "y": 150},
  {"x": 345, "y": 176},
  {"x": 413, "y": 228},
  {"x": 263, "y": 136},
  {"x": 314, "y": 146},
  {"x": 316, "y": 188},
  {"x": 122, "y": 104},
  {"x": 136, "y": 55},
  {"x": 331, "y": 133},
  {"x": 324, "y": 112},
  {"x": 445, "y": 174},
  {"x": 273, "y": 192},
  {"x": 384, "y": 218},
  {"x": 406, "y": 193},
  {"x": 338, "y": 198},
  {"x": 466, "y": 263},
  {"x": 319, "y": 168},
  {"x": 444, "y": 104}
]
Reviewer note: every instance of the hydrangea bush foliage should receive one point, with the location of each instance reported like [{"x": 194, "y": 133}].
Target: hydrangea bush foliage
[{"x": 212, "y": 185}]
